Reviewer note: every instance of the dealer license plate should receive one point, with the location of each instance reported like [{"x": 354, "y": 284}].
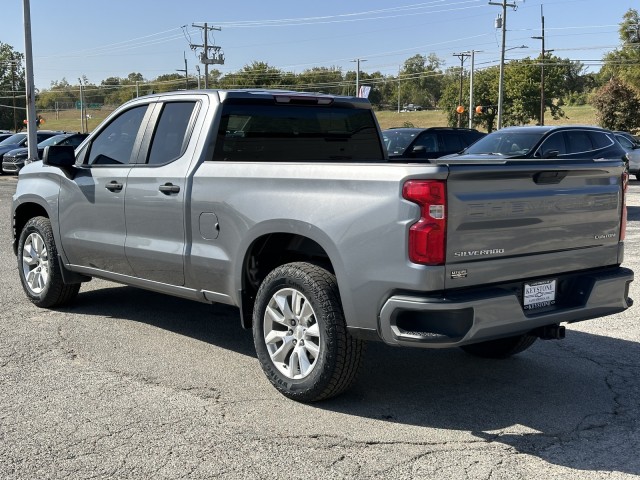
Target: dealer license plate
[{"x": 539, "y": 294}]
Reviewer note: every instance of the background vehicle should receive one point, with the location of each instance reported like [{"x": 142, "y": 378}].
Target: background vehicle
[
  {"x": 632, "y": 138},
  {"x": 19, "y": 140},
  {"x": 284, "y": 204},
  {"x": 14, "y": 160},
  {"x": 4, "y": 136},
  {"x": 562, "y": 142},
  {"x": 425, "y": 143},
  {"x": 632, "y": 146}
]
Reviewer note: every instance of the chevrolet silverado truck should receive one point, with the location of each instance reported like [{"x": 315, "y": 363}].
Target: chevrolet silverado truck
[{"x": 285, "y": 205}]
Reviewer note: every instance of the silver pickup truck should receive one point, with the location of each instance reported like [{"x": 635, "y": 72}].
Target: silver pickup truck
[{"x": 285, "y": 205}]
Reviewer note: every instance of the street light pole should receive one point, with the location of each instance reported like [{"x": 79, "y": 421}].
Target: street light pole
[
  {"x": 30, "y": 88},
  {"x": 357, "y": 60},
  {"x": 471, "y": 109}
]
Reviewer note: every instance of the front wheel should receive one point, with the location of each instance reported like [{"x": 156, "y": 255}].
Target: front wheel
[
  {"x": 300, "y": 334},
  {"x": 39, "y": 266},
  {"x": 502, "y": 347}
]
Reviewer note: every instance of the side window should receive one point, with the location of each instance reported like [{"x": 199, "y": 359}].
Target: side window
[
  {"x": 600, "y": 140},
  {"x": 555, "y": 142},
  {"x": 265, "y": 132},
  {"x": 72, "y": 141},
  {"x": 453, "y": 141},
  {"x": 578, "y": 141},
  {"x": 172, "y": 132},
  {"x": 114, "y": 145},
  {"x": 427, "y": 140},
  {"x": 625, "y": 142}
]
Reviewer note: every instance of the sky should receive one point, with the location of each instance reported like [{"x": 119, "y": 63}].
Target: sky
[{"x": 72, "y": 38}]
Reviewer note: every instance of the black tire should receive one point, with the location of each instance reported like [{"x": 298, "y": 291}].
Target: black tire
[
  {"x": 39, "y": 267},
  {"x": 502, "y": 347},
  {"x": 307, "y": 352}
]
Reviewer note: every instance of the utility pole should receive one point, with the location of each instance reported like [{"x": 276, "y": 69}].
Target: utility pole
[
  {"x": 217, "y": 57},
  {"x": 462, "y": 56},
  {"x": 501, "y": 21},
  {"x": 399, "y": 70},
  {"x": 13, "y": 91},
  {"x": 542, "y": 60},
  {"x": 186, "y": 77}
]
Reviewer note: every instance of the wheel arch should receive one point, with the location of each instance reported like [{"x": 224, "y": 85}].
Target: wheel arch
[
  {"x": 22, "y": 214},
  {"x": 271, "y": 248}
]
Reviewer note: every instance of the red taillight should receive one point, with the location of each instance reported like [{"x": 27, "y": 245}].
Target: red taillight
[
  {"x": 623, "y": 222},
  {"x": 427, "y": 237}
]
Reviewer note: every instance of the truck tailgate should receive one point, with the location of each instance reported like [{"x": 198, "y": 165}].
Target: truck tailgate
[{"x": 532, "y": 219}]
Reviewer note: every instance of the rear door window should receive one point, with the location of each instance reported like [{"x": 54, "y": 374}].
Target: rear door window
[
  {"x": 297, "y": 133},
  {"x": 453, "y": 141},
  {"x": 172, "y": 132},
  {"x": 554, "y": 143}
]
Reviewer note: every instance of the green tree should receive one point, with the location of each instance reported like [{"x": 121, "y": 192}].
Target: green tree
[
  {"x": 624, "y": 62},
  {"x": 522, "y": 88},
  {"x": 61, "y": 95},
  {"x": 521, "y": 97},
  {"x": 256, "y": 75},
  {"x": 327, "y": 80},
  {"x": 618, "y": 106},
  {"x": 12, "y": 88},
  {"x": 421, "y": 80}
]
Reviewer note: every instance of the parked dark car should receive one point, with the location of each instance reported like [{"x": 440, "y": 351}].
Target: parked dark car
[
  {"x": 14, "y": 160},
  {"x": 632, "y": 146},
  {"x": 19, "y": 140},
  {"x": 426, "y": 143},
  {"x": 4, "y": 135},
  {"x": 565, "y": 142}
]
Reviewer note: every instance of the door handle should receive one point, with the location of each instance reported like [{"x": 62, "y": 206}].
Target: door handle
[
  {"x": 169, "y": 188},
  {"x": 113, "y": 186}
]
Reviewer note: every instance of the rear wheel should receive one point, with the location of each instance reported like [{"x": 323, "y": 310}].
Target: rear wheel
[
  {"x": 300, "y": 334},
  {"x": 502, "y": 347},
  {"x": 39, "y": 266}
]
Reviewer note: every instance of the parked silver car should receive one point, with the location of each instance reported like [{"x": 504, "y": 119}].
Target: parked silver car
[{"x": 633, "y": 152}]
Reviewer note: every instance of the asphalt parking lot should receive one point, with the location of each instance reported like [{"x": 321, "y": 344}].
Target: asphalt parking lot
[{"x": 129, "y": 384}]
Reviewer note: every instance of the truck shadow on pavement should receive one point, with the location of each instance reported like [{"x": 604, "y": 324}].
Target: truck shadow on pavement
[
  {"x": 574, "y": 403},
  {"x": 215, "y": 324}
]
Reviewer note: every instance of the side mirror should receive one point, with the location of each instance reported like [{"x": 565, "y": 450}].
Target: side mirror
[
  {"x": 550, "y": 154},
  {"x": 62, "y": 156}
]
